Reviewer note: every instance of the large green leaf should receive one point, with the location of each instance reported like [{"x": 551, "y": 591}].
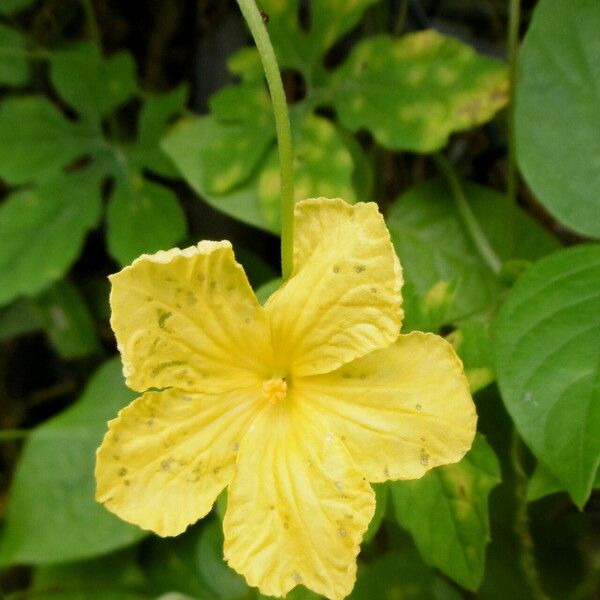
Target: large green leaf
[
  {"x": 92, "y": 85},
  {"x": 303, "y": 48},
  {"x": 543, "y": 483},
  {"x": 67, "y": 320},
  {"x": 155, "y": 116},
  {"x": 447, "y": 513},
  {"x": 413, "y": 92},
  {"x": 42, "y": 231},
  {"x": 52, "y": 514},
  {"x": 547, "y": 355},
  {"x": 14, "y": 69},
  {"x": 39, "y": 140},
  {"x": 143, "y": 217},
  {"x": 323, "y": 166},
  {"x": 18, "y": 318},
  {"x": 434, "y": 246},
  {"x": 557, "y": 116}
]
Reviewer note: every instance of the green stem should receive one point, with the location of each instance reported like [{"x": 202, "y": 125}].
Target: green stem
[
  {"x": 13, "y": 434},
  {"x": 92, "y": 23},
  {"x": 282, "y": 126},
  {"x": 402, "y": 15},
  {"x": 521, "y": 527},
  {"x": 466, "y": 215},
  {"x": 511, "y": 176}
]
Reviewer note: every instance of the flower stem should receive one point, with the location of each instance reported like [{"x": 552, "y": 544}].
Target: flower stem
[
  {"x": 282, "y": 126},
  {"x": 511, "y": 176},
  {"x": 466, "y": 215}
]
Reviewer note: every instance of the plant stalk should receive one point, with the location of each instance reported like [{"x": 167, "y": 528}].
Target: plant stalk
[
  {"x": 282, "y": 126},
  {"x": 511, "y": 175},
  {"x": 466, "y": 215}
]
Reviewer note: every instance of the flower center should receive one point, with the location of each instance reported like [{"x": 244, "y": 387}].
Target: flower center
[{"x": 274, "y": 389}]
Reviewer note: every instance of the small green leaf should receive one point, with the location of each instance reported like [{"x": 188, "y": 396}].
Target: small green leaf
[
  {"x": 434, "y": 246},
  {"x": 92, "y": 85},
  {"x": 413, "y": 92},
  {"x": 155, "y": 116},
  {"x": 10, "y": 7},
  {"x": 323, "y": 167},
  {"x": 14, "y": 69},
  {"x": 547, "y": 355},
  {"x": 246, "y": 64},
  {"x": 66, "y": 319},
  {"x": 302, "y": 49},
  {"x": 40, "y": 141},
  {"x": 52, "y": 515},
  {"x": 42, "y": 231},
  {"x": 400, "y": 575},
  {"x": 247, "y": 101},
  {"x": 557, "y": 117},
  {"x": 447, "y": 513},
  {"x": 143, "y": 217}
]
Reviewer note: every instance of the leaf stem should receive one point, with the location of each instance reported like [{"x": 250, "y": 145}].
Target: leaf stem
[
  {"x": 7, "y": 435},
  {"x": 511, "y": 175},
  {"x": 282, "y": 126},
  {"x": 466, "y": 215},
  {"x": 91, "y": 22},
  {"x": 402, "y": 15}
]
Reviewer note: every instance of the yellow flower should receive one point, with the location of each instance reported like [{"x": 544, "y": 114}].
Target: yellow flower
[{"x": 295, "y": 406}]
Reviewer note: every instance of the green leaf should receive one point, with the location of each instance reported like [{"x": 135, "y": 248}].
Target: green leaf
[
  {"x": 472, "y": 342},
  {"x": 557, "y": 117},
  {"x": 9, "y": 7},
  {"x": 42, "y": 231},
  {"x": 171, "y": 564},
  {"x": 412, "y": 92},
  {"x": 18, "y": 318},
  {"x": 447, "y": 513},
  {"x": 14, "y": 69},
  {"x": 247, "y": 101},
  {"x": 547, "y": 355},
  {"x": 224, "y": 582},
  {"x": 143, "y": 217},
  {"x": 215, "y": 158},
  {"x": 434, "y": 246},
  {"x": 40, "y": 141},
  {"x": 92, "y": 85},
  {"x": 112, "y": 577},
  {"x": 52, "y": 515},
  {"x": 67, "y": 320},
  {"x": 323, "y": 167},
  {"x": 155, "y": 116},
  {"x": 400, "y": 575},
  {"x": 217, "y": 161},
  {"x": 303, "y": 49},
  {"x": 542, "y": 483}
]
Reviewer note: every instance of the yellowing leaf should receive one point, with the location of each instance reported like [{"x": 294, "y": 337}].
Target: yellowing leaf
[{"x": 412, "y": 92}]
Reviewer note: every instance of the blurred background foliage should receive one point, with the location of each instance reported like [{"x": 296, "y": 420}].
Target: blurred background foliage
[{"x": 129, "y": 127}]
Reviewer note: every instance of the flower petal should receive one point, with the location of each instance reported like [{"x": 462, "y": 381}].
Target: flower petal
[
  {"x": 401, "y": 410},
  {"x": 189, "y": 319},
  {"x": 169, "y": 454},
  {"x": 343, "y": 299},
  {"x": 297, "y": 507}
]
